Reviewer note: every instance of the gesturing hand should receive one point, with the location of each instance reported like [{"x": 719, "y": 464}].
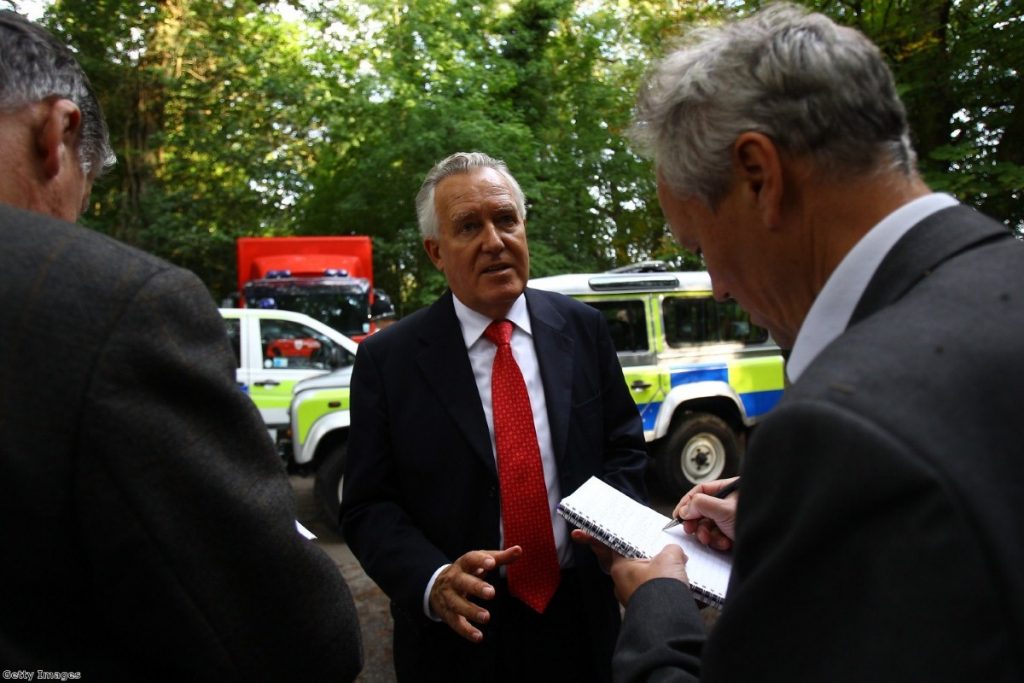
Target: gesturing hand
[{"x": 461, "y": 580}]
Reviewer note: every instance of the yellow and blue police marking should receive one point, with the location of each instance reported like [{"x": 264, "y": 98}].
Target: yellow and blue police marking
[{"x": 757, "y": 381}]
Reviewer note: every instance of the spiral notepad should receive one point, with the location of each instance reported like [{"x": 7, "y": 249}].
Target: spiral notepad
[{"x": 635, "y": 530}]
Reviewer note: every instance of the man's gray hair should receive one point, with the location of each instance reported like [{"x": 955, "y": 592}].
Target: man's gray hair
[
  {"x": 35, "y": 66},
  {"x": 460, "y": 162},
  {"x": 815, "y": 88}
]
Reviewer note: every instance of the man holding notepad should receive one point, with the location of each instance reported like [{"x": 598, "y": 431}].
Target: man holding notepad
[{"x": 879, "y": 532}]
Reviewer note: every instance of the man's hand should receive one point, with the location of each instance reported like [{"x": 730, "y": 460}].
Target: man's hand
[
  {"x": 449, "y": 596},
  {"x": 711, "y": 519},
  {"x": 605, "y": 555},
  {"x": 628, "y": 574}
]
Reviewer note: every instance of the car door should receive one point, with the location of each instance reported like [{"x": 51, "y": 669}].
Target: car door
[
  {"x": 633, "y": 333},
  {"x": 285, "y": 351},
  {"x": 237, "y": 334}
]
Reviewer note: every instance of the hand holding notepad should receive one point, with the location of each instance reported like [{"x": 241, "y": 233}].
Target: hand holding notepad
[{"x": 636, "y": 531}]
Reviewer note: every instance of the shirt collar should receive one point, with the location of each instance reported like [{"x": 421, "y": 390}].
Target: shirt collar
[
  {"x": 473, "y": 324},
  {"x": 830, "y": 313}
]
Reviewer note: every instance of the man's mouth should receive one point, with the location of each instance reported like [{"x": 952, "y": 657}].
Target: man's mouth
[{"x": 496, "y": 268}]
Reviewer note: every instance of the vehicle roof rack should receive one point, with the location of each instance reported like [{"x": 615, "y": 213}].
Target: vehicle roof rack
[
  {"x": 642, "y": 267},
  {"x": 650, "y": 281}
]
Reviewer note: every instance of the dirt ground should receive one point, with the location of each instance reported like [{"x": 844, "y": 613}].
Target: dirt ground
[{"x": 371, "y": 603}]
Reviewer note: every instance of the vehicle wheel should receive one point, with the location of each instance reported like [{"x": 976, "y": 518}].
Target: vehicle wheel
[
  {"x": 701, "y": 447},
  {"x": 327, "y": 487}
]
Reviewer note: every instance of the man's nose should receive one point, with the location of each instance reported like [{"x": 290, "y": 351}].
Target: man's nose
[
  {"x": 719, "y": 293},
  {"x": 491, "y": 238}
]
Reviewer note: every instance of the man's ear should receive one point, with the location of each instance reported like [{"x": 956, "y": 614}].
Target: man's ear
[
  {"x": 759, "y": 167},
  {"x": 57, "y": 137},
  {"x": 433, "y": 250}
]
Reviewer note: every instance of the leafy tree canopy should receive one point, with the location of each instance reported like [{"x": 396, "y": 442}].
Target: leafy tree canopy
[{"x": 250, "y": 117}]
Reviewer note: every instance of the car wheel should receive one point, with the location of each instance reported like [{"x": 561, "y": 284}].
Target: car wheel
[
  {"x": 701, "y": 447},
  {"x": 327, "y": 487}
]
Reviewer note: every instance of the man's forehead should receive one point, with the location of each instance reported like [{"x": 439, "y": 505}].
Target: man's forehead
[
  {"x": 481, "y": 178},
  {"x": 476, "y": 188}
]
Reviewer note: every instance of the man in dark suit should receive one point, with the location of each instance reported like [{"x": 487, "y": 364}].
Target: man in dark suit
[
  {"x": 426, "y": 505},
  {"x": 148, "y": 527},
  {"x": 879, "y": 533}
]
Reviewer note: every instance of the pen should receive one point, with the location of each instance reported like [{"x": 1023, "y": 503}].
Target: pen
[{"x": 721, "y": 493}]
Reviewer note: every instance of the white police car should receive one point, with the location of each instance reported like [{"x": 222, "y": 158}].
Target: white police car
[{"x": 275, "y": 349}]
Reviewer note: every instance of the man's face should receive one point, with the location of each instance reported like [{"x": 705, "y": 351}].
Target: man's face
[
  {"x": 72, "y": 187},
  {"x": 71, "y": 204},
  {"x": 40, "y": 158},
  {"x": 734, "y": 257},
  {"x": 66, "y": 195},
  {"x": 481, "y": 247}
]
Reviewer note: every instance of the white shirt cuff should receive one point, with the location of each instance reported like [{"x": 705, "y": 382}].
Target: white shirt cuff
[{"x": 426, "y": 594}]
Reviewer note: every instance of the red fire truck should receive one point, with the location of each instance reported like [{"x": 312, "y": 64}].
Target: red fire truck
[{"x": 327, "y": 278}]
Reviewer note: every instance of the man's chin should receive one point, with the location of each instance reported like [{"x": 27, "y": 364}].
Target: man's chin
[
  {"x": 781, "y": 337},
  {"x": 501, "y": 298}
]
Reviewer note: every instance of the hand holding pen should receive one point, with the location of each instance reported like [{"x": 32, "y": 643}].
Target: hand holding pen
[{"x": 708, "y": 511}]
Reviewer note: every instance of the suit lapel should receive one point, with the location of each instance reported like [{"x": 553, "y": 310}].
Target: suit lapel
[
  {"x": 555, "y": 357},
  {"x": 937, "y": 238},
  {"x": 444, "y": 362}
]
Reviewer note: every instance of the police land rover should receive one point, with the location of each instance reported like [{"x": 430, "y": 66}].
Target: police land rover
[{"x": 700, "y": 372}]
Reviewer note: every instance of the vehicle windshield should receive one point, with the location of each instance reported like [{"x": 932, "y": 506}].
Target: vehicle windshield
[{"x": 346, "y": 309}]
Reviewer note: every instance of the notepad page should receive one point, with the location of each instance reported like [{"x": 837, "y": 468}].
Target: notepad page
[{"x": 642, "y": 529}]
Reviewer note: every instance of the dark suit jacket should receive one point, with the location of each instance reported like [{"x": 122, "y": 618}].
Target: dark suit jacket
[
  {"x": 881, "y": 520},
  {"x": 421, "y": 486},
  {"x": 148, "y": 526}
]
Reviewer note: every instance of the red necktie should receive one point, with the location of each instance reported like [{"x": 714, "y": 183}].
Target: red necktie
[{"x": 534, "y": 577}]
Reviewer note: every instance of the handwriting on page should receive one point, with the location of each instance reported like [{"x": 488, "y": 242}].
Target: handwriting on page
[{"x": 635, "y": 530}]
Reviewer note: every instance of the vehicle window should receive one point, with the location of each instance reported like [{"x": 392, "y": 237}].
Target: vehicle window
[
  {"x": 295, "y": 346},
  {"x": 235, "y": 337},
  {"x": 346, "y": 309},
  {"x": 691, "y": 320},
  {"x": 627, "y": 323}
]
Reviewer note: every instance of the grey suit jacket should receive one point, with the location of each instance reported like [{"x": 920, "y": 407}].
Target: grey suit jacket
[
  {"x": 881, "y": 521},
  {"x": 148, "y": 526},
  {"x": 421, "y": 485}
]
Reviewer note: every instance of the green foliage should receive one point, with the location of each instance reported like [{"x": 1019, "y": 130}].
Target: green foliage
[
  {"x": 206, "y": 103},
  {"x": 958, "y": 64},
  {"x": 235, "y": 118},
  {"x": 546, "y": 85}
]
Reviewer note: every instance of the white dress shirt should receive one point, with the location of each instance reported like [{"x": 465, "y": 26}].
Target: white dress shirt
[
  {"x": 830, "y": 313},
  {"x": 481, "y": 357}
]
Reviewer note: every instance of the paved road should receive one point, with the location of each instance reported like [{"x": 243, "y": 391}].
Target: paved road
[{"x": 371, "y": 603}]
